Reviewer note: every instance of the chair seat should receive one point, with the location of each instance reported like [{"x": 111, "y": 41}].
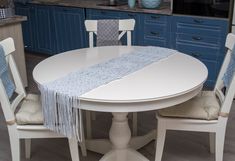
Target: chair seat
[
  {"x": 30, "y": 111},
  {"x": 204, "y": 106}
]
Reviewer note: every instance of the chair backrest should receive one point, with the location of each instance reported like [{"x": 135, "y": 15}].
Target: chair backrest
[
  {"x": 8, "y": 105},
  {"x": 226, "y": 98},
  {"x": 125, "y": 26}
]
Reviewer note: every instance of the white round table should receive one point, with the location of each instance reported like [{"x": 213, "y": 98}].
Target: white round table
[{"x": 165, "y": 83}]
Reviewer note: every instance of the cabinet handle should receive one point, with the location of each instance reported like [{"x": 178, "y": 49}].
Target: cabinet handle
[
  {"x": 65, "y": 10},
  {"x": 198, "y": 21},
  {"x": 155, "y": 17},
  {"x": 130, "y": 15},
  {"x": 196, "y": 38},
  {"x": 154, "y": 33},
  {"x": 196, "y": 55},
  {"x": 103, "y": 12}
]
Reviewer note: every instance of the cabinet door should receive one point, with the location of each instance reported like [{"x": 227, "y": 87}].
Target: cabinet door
[
  {"x": 69, "y": 28},
  {"x": 27, "y": 26},
  {"x": 44, "y": 29}
]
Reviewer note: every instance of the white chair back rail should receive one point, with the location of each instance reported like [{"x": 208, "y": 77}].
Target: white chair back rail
[{"x": 125, "y": 26}]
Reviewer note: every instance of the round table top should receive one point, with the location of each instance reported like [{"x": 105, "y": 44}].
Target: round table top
[{"x": 170, "y": 77}]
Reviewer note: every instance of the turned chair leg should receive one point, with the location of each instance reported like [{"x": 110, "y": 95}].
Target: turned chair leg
[{"x": 27, "y": 148}]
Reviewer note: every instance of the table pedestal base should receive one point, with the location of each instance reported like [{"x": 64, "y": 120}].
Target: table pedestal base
[
  {"x": 136, "y": 142},
  {"x": 123, "y": 155},
  {"x": 120, "y": 140}
]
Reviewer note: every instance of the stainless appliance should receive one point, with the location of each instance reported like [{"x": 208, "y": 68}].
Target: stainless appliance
[{"x": 209, "y": 8}]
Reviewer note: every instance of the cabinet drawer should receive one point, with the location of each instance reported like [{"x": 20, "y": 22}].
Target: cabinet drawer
[
  {"x": 157, "y": 42},
  {"x": 200, "y": 26},
  {"x": 198, "y": 21},
  {"x": 198, "y": 30},
  {"x": 198, "y": 39},
  {"x": 155, "y": 31},
  {"x": 198, "y": 51},
  {"x": 102, "y": 14},
  {"x": 154, "y": 18}
]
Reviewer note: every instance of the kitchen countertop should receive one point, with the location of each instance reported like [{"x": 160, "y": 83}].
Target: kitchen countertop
[
  {"x": 163, "y": 9},
  {"x": 11, "y": 20}
]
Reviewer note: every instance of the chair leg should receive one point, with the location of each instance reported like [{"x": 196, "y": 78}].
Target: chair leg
[
  {"x": 134, "y": 123},
  {"x": 83, "y": 145},
  {"x": 73, "y": 146},
  {"x": 15, "y": 146},
  {"x": 161, "y": 134},
  {"x": 27, "y": 148},
  {"x": 219, "y": 143},
  {"x": 88, "y": 124},
  {"x": 93, "y": 116},
  {"x": 212, "y": 142}
]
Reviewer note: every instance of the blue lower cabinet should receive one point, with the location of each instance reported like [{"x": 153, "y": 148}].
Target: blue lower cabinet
[
  {"x": 28, "y": 27},
  {"x": 38, "y": 31},
  {"x": 203, "y": 38},
  {"x": 154, "y": 30},
  {"x": 69, "y": 28},
  {"x": 45, "y": 30}
]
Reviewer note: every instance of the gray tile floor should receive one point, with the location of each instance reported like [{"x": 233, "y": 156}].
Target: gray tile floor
[{"x": 179, "y": 146}]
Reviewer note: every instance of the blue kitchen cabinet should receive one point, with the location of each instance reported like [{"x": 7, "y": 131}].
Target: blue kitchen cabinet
[
  {"x": 69, "y": 28},
  {"x": 154, "y": 30},
  {"x": 38, "y": 31},
  {"x": 45, "y": 33},
  {"x": 28, "y": 27},
  {"x": 202, "y": 38}
]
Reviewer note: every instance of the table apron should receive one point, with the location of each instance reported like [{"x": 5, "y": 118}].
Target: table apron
[{"x": 138, "y": 106}]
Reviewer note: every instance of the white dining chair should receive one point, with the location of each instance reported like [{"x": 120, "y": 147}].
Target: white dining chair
[
  {"x": 23, "y": 113},
  {"x": 126, "y": 26},
  {"x": 207, "y": 112}
]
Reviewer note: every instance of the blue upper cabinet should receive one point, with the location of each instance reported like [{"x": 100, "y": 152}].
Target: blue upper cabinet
[
  {"x": 28, "y": 27},
  {"x": 69, "y": 28},
  {"x": 155, "y": 30},
  {"x": 203, "y": 38}
]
